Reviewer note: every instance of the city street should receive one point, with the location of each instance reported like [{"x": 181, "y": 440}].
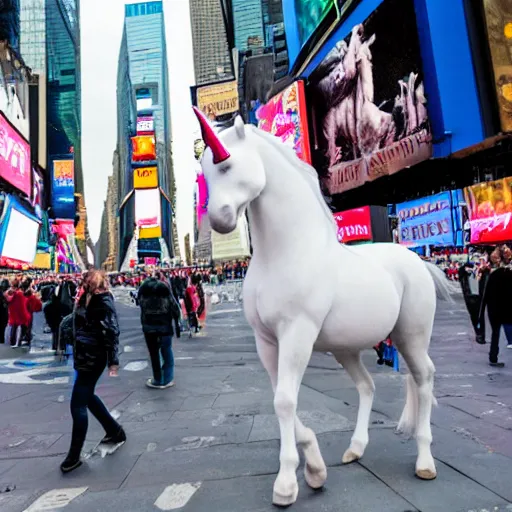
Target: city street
[{"x": 211, "y": 443}]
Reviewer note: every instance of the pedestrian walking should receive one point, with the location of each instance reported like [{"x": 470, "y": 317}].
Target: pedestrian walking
[
  {"x": 33, "y": 305},
  {"x": 96, "y": 342},
  {"x": 472, "y": 291},
  {"x": 157, "y": 311},
  {"x": 496, "y": 298},
  {"x": 17, "y": 310},
  {"x": 4, "y": 311}
]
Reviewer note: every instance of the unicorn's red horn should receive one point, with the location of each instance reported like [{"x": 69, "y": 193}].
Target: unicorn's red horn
[{"x": 220, "y": 153}]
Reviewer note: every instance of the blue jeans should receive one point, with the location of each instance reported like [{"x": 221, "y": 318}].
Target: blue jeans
[{"x": 160, "y": 346}]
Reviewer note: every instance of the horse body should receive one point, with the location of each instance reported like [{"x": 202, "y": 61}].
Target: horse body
[{"x": 304, "y": 291}]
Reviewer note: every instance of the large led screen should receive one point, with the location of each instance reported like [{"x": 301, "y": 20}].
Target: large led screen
[
  {"x": 21, "y": 248},
  {"x": 369, "y": 101},
  {"x": 285, "y": 117},
  {"x": 15, "y": 165},
  {"x": 147, "y": 208},
  {"x": 63, "y": 191}
]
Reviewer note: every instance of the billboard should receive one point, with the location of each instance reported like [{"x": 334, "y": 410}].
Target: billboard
[
  {"x": 499, "y": 34},
  {"x": 354, "y": 225},
  {"x": 145, "y": 177},
  {"x": 150, "y": 232},
  {"x": 285, "y": 116},
  {"x": 63, "y": 189},
  {"x": 490, "y": 211},
  {"x": 144, "y": 148},
  {"x": 218, "y": 99},
  {"x": 16, "y": 220},
  {"x": 369, "y": 101},
  {"x": 427, "y": 221},
  {"x": 232, "y": 246},
  {"x": 147, "y": 208},
  {"x": 15, "y": 164},
  {"x": 145, "y": 125},
  {"x": 37, "y": 193}
]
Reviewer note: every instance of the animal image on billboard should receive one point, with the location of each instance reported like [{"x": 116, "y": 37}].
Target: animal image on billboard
[{"x": 369, "y": 101}]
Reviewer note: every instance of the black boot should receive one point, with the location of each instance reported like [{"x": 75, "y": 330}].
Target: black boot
[
  {"x": 71, "y": 462},
  {"x": 118, "y": 437}
]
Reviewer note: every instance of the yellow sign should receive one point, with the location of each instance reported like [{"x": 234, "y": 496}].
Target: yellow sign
[
  {"x": 82, "y": 212},
  {"x": 42, "y": 261},
  {"x": 145, "y": 177},
  {"x": 218, "y": 100},
  {"x": 150, "y": 232}
]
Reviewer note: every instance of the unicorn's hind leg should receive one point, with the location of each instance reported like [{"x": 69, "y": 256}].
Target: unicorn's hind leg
[
  {"x": 420, "y": 397},
  {"x": 352, "y": 363},
  {"x": 315, "y": 470}
]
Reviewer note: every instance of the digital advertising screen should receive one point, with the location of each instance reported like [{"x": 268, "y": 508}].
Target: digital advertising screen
[
  {"x": 285, "y": 116},
  {"x": 144, "y": 148},
  {"x": 147, "y": 208},
  {"x": 15, "y": 165},
  {"x": 354, "y": 225},
  {"x": 378, "y": 69},
  {"x": 63, "y": 189},
  {"x": 490, "y": 211},
  {"x": 145, "y": 177},
  {"x": 16, "y": 247},
  {"x": 427, "y": 221}
]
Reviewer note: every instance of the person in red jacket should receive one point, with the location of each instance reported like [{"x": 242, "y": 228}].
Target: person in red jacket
[
  {"x": 34, "y": 305},
  {"x": 18, "y": 314}
]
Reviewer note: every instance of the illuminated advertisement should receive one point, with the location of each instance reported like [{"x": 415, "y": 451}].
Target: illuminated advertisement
[
  {"x": 143, "y": 148},
  {"x": 369, "y": 100},
  {"x": 490, "y": 211},
  {"x": 15, "y": 165},
  {"x": 145, "y": 125},
  {"x": 218, "y": 99},
  {"x": 147, "y": 208},
  {"x": 37, "y": 193},
  {"x": 15, "y": 220},
  {"x": 145, "y": 177},
  {"x": 63, "y": 189},
  {"x": 427, "y": 221},
  {"x": 354, "y": 225},
  {"x": 285, "y": 117},
  {"x": 150, "y": 232},
  {"x": 499, "y": 32}
]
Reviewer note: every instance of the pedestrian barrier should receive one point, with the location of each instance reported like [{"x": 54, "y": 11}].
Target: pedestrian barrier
[{"x": 228, "y": 292}]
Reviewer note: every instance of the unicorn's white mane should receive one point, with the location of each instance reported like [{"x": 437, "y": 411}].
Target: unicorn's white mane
[{"x": 307, "y": 172}]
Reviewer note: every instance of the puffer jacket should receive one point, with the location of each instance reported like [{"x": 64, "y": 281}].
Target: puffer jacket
[
  {"x": 157, "y": 307},
  {"x": 96, "y": 334}
]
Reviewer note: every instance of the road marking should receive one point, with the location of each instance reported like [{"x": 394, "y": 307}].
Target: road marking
[
  {"x": 176, "y": 496},
  {"x": 225, "y": 311},
  {"x": 136, "y": 366},
  {"x": 58, "y": 498}
]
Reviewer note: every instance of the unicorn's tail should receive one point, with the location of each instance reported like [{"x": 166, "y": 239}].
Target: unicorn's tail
[{"x": 444, "y": 287}]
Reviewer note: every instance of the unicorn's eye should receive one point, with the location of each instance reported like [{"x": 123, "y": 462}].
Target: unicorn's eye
[{"x": 224, "y": 169}]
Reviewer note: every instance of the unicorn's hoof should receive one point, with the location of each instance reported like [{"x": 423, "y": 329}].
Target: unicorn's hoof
[
  {"x": 315, "y": 478},
  {"x": 349, "y": 456},
  {"x": 285, "y": 500},
  {"x": 426, "y": 474}
]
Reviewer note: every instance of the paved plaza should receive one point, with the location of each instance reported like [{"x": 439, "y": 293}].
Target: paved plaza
[{"x": 211, "y": 443}]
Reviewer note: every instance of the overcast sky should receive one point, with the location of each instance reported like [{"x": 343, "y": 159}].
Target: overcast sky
[{"x": 102, "y": 26}]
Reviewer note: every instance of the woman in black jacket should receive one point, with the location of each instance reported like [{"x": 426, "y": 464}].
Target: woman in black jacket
[{"x": 96, "y": 341}]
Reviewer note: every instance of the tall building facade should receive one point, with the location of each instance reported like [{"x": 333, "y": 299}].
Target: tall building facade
[
  {"x": 212, "y": 55},
  {"x": 143, "y": 97},
  {"x": 10, "y": 22},
  {"x": 248, "y": 24}
]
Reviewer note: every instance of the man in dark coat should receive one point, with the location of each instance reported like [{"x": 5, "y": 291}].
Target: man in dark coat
[
  {"x": 157, "y": 311},
  {"x": 473, "y": 303}
]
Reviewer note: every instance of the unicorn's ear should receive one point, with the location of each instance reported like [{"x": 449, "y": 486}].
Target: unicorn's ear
[{"x": 240, "y": 127}]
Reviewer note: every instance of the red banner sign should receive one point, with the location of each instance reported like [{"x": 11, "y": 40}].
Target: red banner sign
[{"x": 354, "y": 225}]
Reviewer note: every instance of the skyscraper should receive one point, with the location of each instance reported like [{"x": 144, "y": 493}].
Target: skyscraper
[
  {"x": 212, "y": 56},
  {"x": 248, "y": 24},
  {"x": 143, "y": 93},
  {"x": 10, "y": 22}
]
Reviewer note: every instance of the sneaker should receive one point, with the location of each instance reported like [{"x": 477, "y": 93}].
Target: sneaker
[
  {"x": 168, "y": 385},
  {"x": 497, "y": 365},
  {"x": 151, "y": 383},
  {"x": 70, "y": 464},
  {"x": 509, "y": 346},
  {"x": 119, "y": 437}
]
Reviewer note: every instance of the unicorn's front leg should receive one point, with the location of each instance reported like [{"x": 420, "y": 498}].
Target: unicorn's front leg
[
  {"x": 295, "y": 347},
  {"x": 366, "y": 388}
]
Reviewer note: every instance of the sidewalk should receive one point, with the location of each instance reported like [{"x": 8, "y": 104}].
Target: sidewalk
[{"x": 211, "y": 443}]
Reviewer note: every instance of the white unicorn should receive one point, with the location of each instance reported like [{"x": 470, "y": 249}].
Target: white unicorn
[{"x": 304, "y": 291}]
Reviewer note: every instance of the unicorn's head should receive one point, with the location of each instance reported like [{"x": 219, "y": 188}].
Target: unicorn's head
[{"x": 233, "y": 170}]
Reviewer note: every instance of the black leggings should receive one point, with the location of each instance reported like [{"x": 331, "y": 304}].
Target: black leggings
[{"x": 83, "y": 398}]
